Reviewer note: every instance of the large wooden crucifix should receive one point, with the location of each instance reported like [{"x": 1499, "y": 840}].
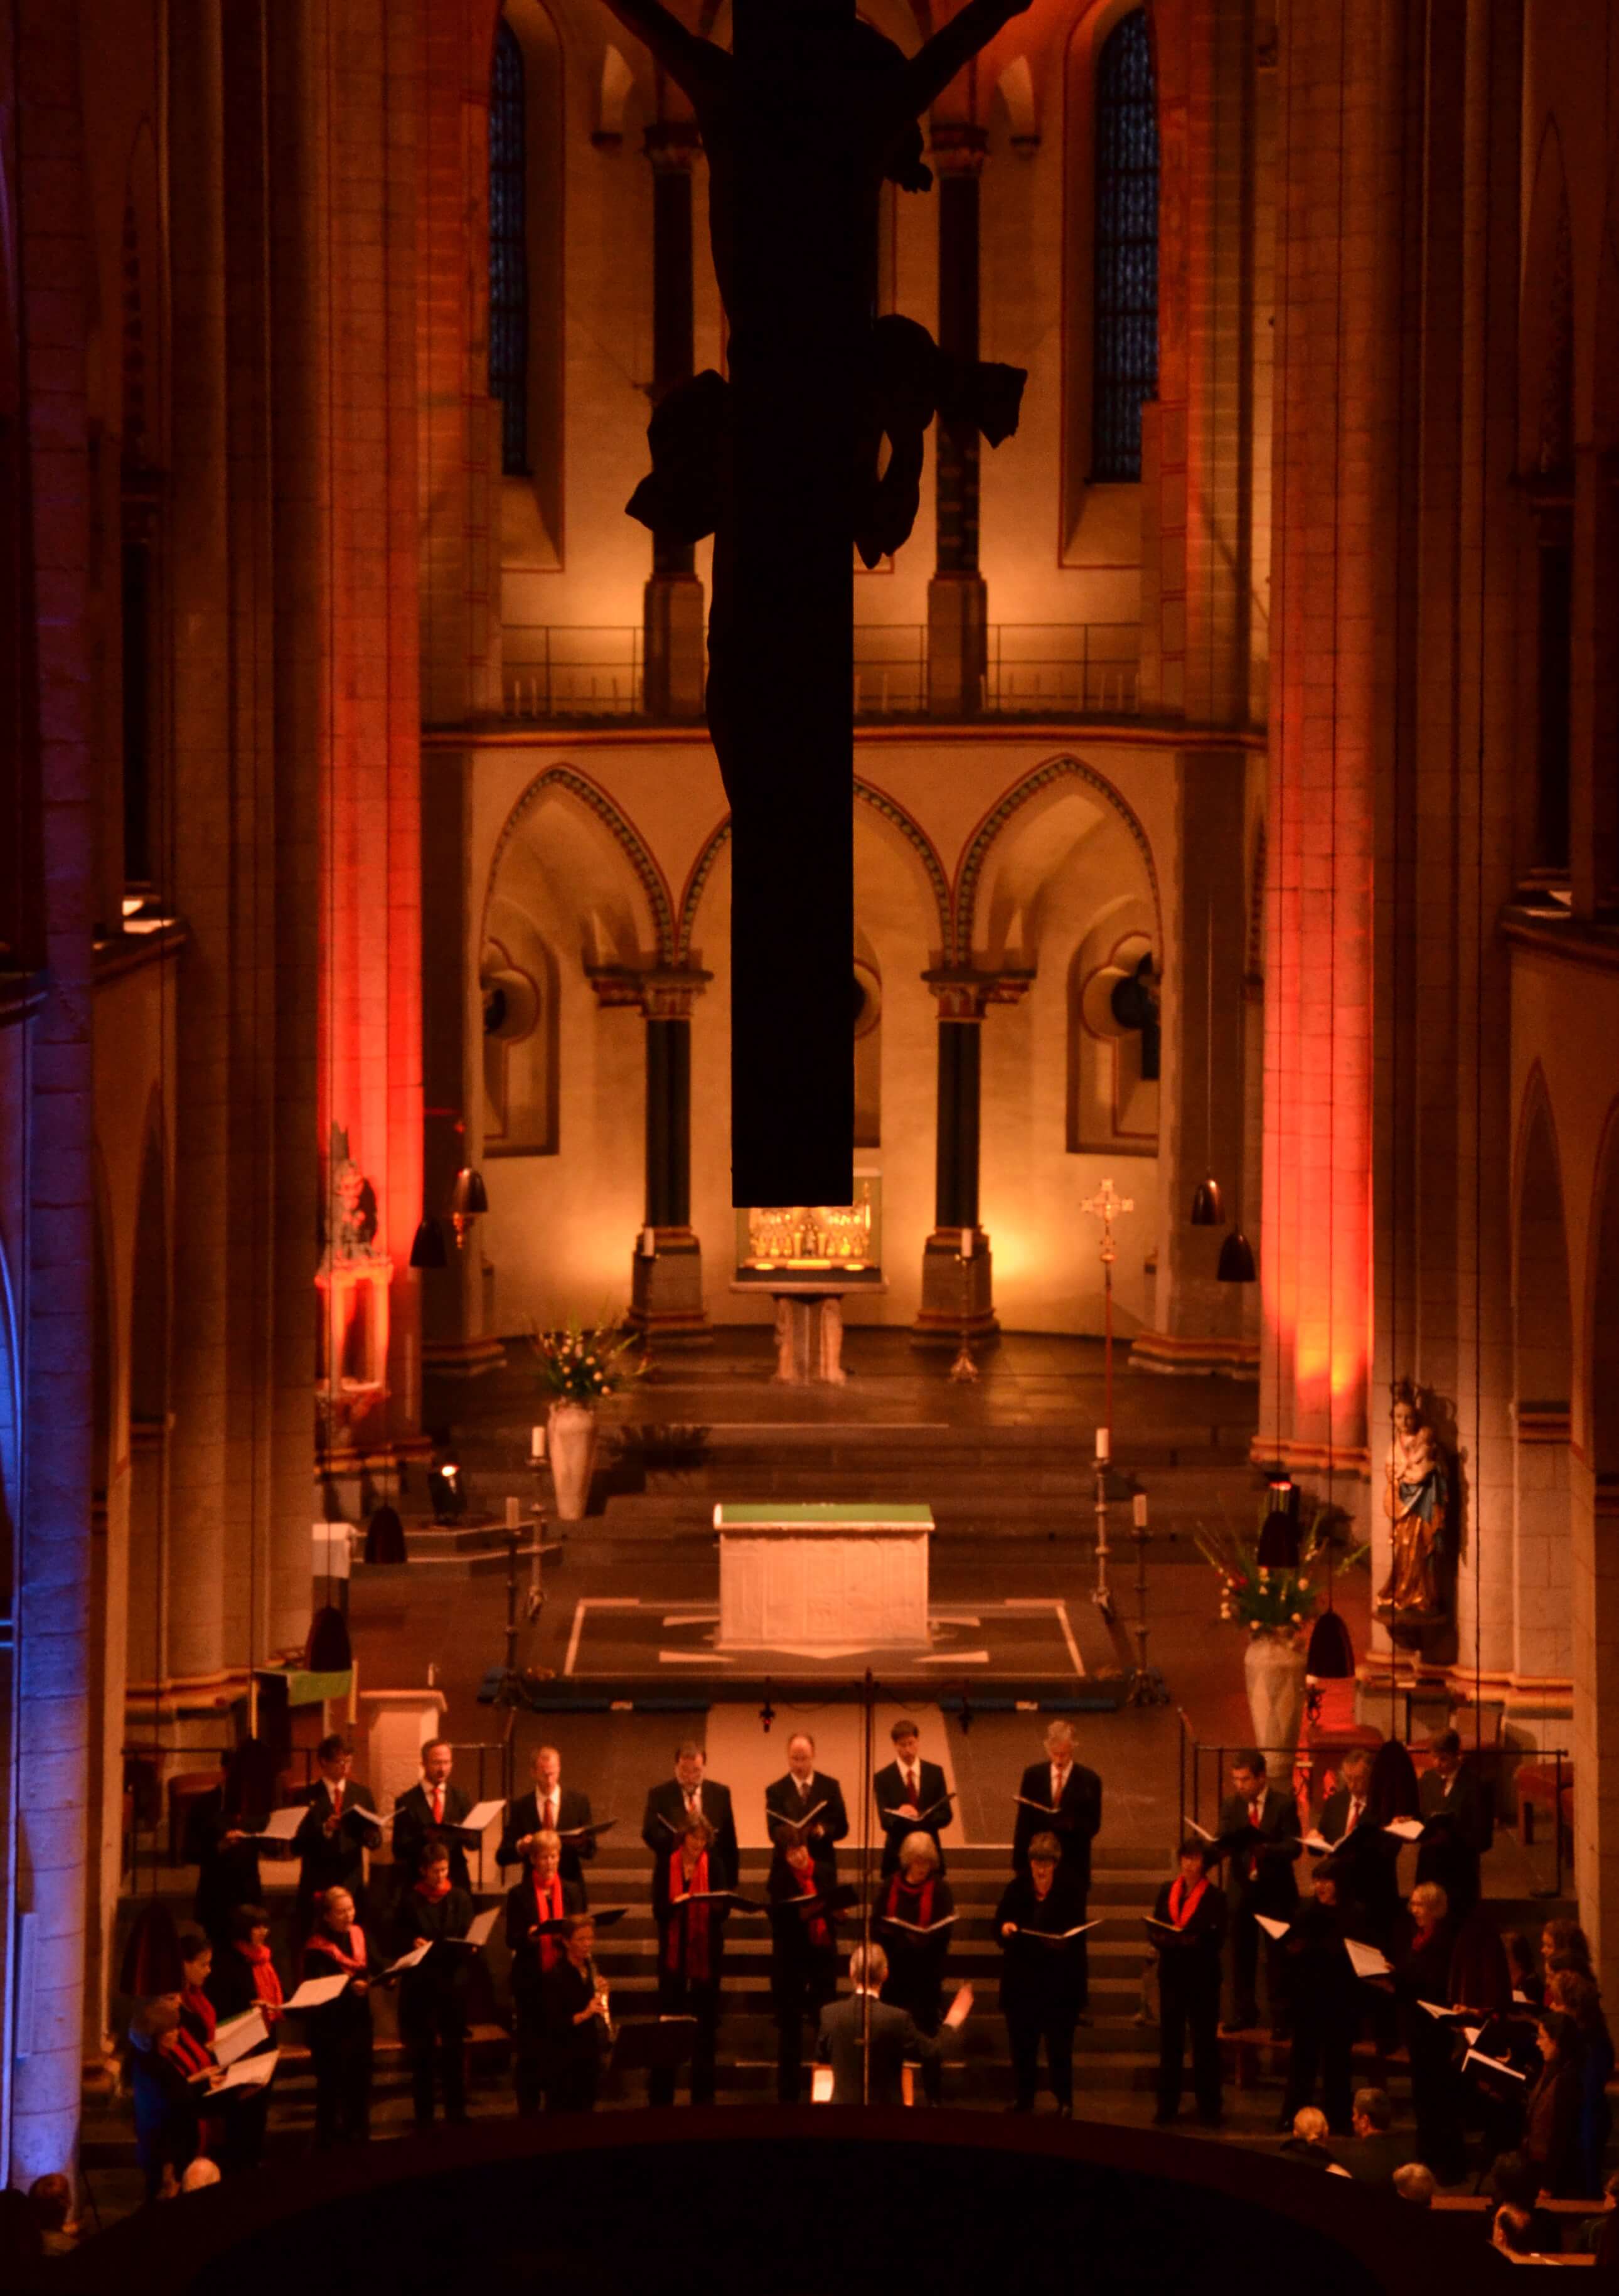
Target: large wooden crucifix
[{"x": 801, "y": 120}]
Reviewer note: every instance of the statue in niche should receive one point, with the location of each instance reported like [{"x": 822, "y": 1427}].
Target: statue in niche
[
  {"x": 1416, "y": 1499},
  {"x": 351, "y": 1217}
]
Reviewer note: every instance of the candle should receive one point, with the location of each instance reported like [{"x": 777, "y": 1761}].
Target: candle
[
  {"x": 514, "y": 1515},
  {"x": 966, "y": 1243},
  {"x": 1104, "y": 1446},
  {"x": 1138, "y": 1508},
  {"x": 537, "y": 1441}
]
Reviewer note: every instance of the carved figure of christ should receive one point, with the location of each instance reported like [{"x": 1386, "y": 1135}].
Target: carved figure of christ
[{"x": 801, "y": 122}]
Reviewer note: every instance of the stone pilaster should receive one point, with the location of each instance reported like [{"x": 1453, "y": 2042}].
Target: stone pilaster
[
  {"x": 672, "y": 647},
  {"x": 957, "y": 598},
  {"x": 666, "y": 1280},
  {"x": 951, "y": 1294}
]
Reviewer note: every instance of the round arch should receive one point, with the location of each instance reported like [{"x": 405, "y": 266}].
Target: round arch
[
  {"x": 969, "y": 876},
  {"x": 649, "y": 876},
  {"x": 866, "y": 793}
]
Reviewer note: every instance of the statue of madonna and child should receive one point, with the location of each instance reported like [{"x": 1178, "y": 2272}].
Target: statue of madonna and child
[{"x": 1416, "y": 1499}]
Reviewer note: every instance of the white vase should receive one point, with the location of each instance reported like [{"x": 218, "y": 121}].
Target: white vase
[
  {"x": 571, "y": 1441},
  {"x": 1274, "y": 1668}
]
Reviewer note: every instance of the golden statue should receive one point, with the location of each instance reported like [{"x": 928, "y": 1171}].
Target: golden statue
[{"x": 1416, "y": 1499}]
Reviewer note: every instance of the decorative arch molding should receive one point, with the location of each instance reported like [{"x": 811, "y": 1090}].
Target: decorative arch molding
[
  {"x": 1534, "y": 1104},
  {"x": 864, "y": 794},
  {"x": 619, "y": 826},
  {"x": 970, "y": 873}
]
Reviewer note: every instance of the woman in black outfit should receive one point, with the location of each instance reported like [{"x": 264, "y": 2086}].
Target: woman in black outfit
[
  {"x": 910, "y": 1903},
  {"x": 542, "y": 1896},
  {"x": 340, "y": 2031},
  {"x": 803, "y": 1951},
  {"x": 1188, "y": 1985},
  {"x": 243, "y": 1977},
  {"x": 1041, "y": 1984},
  {"x": 432, "y": 1995},
  {"x": 573, "y": 2010},
  {"x": 1325, "y": 1996},
  {"x": 1422, "y": 1973},
  {"x": 1552, "y": 2111}
]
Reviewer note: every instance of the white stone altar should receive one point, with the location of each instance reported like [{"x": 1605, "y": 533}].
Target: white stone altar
[{"x": 817, "y": 1581}]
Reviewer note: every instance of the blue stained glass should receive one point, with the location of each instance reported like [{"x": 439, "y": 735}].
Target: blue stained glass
[
  {"x": 1125, "y": 345},
  {"x": 509, "y": 252}
]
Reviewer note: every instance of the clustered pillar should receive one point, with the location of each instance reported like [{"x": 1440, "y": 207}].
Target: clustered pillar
[
  {"x": 666, "y": 1292},
  {"x": 673, "y": 653},
  {"x": 957, "y": 608},
  {"x": 957, "y": 1296}
]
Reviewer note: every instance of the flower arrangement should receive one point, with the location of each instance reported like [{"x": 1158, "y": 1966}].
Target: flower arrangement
[
  {"x": 1264, "y": 1597},
  {"x": 581, "y": 1366}
]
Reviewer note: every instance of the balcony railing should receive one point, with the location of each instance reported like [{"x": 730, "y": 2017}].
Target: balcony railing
[{"x": 1068, "y": 670}]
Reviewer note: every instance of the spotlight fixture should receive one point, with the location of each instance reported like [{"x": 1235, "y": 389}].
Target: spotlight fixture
[
  {"x": 1236, "y": 1259},
  {"x": 427, "y": 1249},
  {"x": 1207, "y": 1207},
  {"x": 467, "y": 1198}
]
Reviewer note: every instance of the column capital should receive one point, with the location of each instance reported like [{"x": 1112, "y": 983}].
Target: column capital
[
  {"x": 957, "y": 147},
  {"x": 967, "y": 994},
  {"x": 671, "y": 146},
  {"x": 660, "y": 992}
]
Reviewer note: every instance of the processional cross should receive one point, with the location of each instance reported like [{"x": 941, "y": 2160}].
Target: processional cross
[
  {"x": 803, "y": 121},
  {"x": 1106, "y": 1205}
]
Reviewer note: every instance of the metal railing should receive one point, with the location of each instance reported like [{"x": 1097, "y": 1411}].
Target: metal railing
[{"x": 1084, "y": 670}]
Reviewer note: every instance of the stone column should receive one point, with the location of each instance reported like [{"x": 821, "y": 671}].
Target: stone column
[
  {"x": 958, "y": 600},
  {"x": 666, "y": 1282},
  {"x": 672, "y": 651},
  {"x": 46, "y": 1116},
  {"x": 948, "y": 1293}
]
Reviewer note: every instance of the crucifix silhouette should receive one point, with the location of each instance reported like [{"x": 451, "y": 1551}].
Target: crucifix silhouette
[{"x": 803, "y": 121}]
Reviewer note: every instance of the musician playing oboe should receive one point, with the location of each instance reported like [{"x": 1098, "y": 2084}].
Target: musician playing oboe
[{"x": 576, "y": 2028}]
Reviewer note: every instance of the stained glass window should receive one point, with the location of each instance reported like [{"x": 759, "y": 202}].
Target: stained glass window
[
  {"x": 509, "y": 252},
  {"x": 1125, "y": 357}
]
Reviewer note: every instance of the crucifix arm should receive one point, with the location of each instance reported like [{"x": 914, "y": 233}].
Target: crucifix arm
[
  {"x": 699, "y": 69},
  {"x": 932, "y": 70}
]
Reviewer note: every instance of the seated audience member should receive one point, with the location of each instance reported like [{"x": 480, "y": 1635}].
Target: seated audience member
[
  {"x": 1373, "y": 2152},
  {"x": 432, "y": 1995},
  {"x": 1552, "y": 2111},
  {"x": 339, "y": 2032},
  {"x": 1512, "y": 2232},
  {"x": 1308, "y": 2146},
  {"x": 574, "y": 2023},
  {"x": 1415, "y": 2184},
  {"x": 1588, "y": 2240},
  {"x": 51, "y": 2198},
  {"x": 199, "y": 2175}
]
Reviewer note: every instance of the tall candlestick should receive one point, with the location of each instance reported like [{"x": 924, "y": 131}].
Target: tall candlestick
[
  {"x": 537, "y": 1441},
  {"x": 513, "y": 1514},
  {"x": 1139, "y": 1510},
  {"x": 1104, "y": 1446}
]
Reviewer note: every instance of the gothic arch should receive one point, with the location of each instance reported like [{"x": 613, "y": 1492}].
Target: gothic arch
[
  {"x": 865, "y": 794},
  {"x": 970, "y": 873},
  {"x": 651, "y": 879}
]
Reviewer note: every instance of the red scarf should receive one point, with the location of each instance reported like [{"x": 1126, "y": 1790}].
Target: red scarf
[
  {"x": 432, "y": 1895},
  {"x": 686, "y": 1942},
  {"x": 266, "y": 1985},
  {"x": 1181, "y": 1906},
  {"x": 195, "y": 2003},
  {"x": 186, "y": 2052},
  {"x": 548, "y": 1907},
  {"x": 899, "y": 1887},
  {"x": 353, "y": 1960}
]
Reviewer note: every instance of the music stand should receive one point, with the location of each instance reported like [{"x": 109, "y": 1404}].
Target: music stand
[{"x": 653, "y": 2044}]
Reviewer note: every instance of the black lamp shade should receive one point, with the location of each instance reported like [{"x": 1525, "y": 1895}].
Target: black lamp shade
[
  {"x": 152, "y": 1956},
  {"x": 251, "y": 1780},
  {"x": 1206, "y": 1209},
  {"x": 328, "y": 1649},
  {"x": 1236, "y": 1259},
  {"x": 385, "y": 1536},
  {"x": 1278, "y": 1543},
  {"x": 427, "y": 1250},
  {"x": 469, "y": 1195},
  {"x": 1331, "y": 1656}
]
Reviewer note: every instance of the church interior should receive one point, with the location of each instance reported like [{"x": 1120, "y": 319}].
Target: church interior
[{"x": 1210, "y": 1342}]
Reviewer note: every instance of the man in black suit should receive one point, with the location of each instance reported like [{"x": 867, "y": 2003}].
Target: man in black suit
[
  {"x": 1455, "y": 1825},
  {"x": 422, "y": 1814},
  {"x": 1369, "y": 1854},
  {"x": 690, "y": 1793},
  {"x": 550, "y": 1807},
  {"x": 1259, "y": 1841},
  {"x": 895, "y": 2037},
  {"x": 334, "y": 1834},
  {"x": 804, "y": 1789},
  {"x": 908, "y": 1791},
  {"x": 1375, "y": 2151},
  {"x": 1070, "y": 1800}
]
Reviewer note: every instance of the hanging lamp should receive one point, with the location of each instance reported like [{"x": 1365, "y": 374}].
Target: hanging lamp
[
  {"x": 427, "y": 1247},
  {"x": 1279, "y": 1538},
  {"x": 1237, "y": 1260},
  {"x": 385, "y": 1536},
  {"x": 468, "y": 1197},
  {"x": 1208, "y": 1210}
]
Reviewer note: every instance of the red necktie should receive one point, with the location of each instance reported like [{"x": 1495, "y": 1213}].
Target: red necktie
[
  {"x": 437, "y": 1805},
  {"x": 550, "y": 1812},
  {"x": 1355, "y": 1817}
]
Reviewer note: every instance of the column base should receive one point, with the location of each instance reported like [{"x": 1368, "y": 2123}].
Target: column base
[
  {"x": 809, "y": 1340},
  {"x": 939, "y": 1320},
  {"x": 957, "y": 635},
  {"x": 673, "y": 662},
  {"x": 666, "y": 1292},
  {"x": 461, "y": 1358},
  {"x": 1205, "y": 1358}
]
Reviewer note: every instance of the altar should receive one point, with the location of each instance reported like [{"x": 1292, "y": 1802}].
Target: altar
[{"x": 815, "y": 1581}]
